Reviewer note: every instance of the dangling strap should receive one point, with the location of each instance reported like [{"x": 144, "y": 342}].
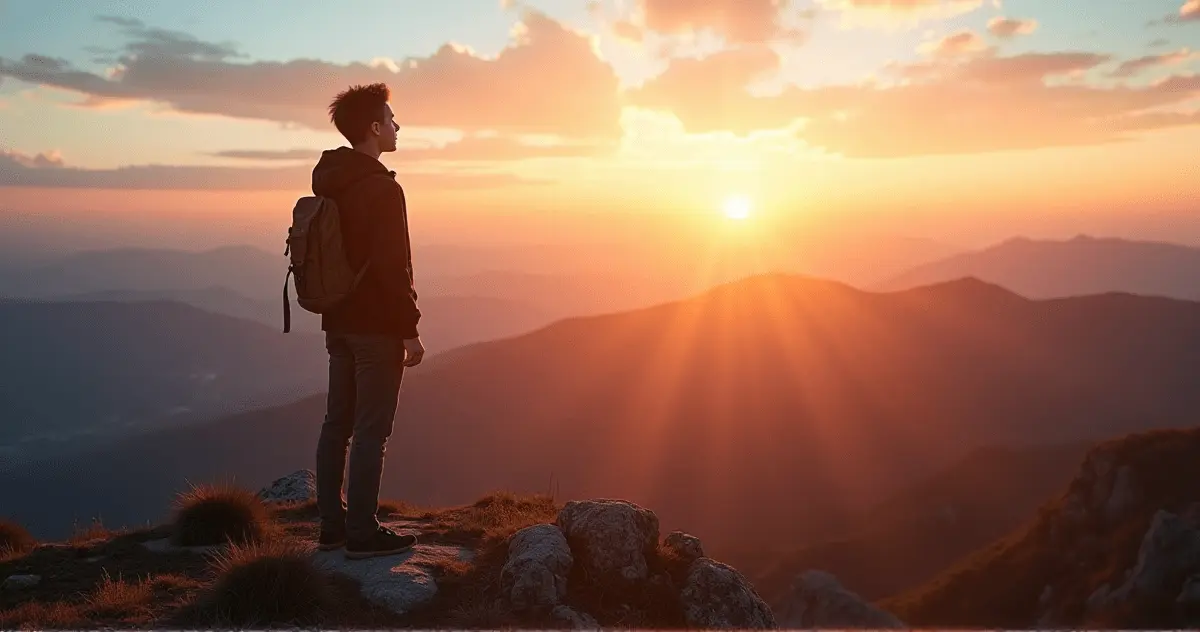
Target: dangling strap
[{"x": 287, "y": 303}]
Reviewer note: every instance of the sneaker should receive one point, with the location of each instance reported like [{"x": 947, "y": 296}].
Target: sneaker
[
  {"x": 383, "y": 542},
  {"x": 331, "y": 540}
]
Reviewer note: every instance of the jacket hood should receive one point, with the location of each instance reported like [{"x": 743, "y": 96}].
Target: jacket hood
[{"x": 340, "y": 168}]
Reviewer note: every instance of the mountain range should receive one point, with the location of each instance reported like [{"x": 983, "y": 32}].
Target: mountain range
[
  {"x": 1080, "y": 266},
  {"x": 790, "y": 403}
]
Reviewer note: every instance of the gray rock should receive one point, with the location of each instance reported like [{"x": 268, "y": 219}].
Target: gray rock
[
  {"x": 818, "y": 600},
  {"x": 300, "y": 486},
  {"x": 687, "y": 547},
  {"x": 716, "y": 595},
  {"x": 610, "y": 538},
  {"x": 1046, "y": 596},
  {"x": 164, "y": 545},
  {"x": 1124, "y": 495},
  {"x": 571, "y": 619},
  {"x": 535, "y": 573},
  {"x": 1190, "y": 595},
  {"x": 21, "y": 582},
  {"x": 1170, "y": 547},
  {"x": 1098, "y": 599},
  {"x": 401, "y": 583}
]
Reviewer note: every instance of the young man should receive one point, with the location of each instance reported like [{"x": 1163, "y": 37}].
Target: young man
[{"x": 372, "y": 336}]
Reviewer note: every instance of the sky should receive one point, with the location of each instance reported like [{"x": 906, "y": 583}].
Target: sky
[{"x": 966, "y": 120}]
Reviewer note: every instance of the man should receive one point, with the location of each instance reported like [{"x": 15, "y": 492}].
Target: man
[{"x": 372, "y": 336}]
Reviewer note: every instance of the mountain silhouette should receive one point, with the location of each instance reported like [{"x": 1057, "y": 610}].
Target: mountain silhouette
[
  {"x": 1079, "y": 266},
  {"x": 99, "y": 368},
  {"x": 771, "y": 409}
]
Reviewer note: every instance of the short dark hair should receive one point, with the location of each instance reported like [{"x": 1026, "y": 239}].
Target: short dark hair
[{"x": 354, "y": 109}]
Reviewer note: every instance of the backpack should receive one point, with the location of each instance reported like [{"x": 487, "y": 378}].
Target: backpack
[{"x": 317, "y": 259}]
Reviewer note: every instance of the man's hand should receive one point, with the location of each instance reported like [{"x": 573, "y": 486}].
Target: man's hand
[{"x": 414, "y": 351}]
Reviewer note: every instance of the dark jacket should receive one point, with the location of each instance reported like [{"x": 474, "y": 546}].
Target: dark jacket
[{"x": 374, "y": 228}]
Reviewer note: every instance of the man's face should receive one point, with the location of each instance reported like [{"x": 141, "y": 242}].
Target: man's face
[{"x": 387, "y": 129}]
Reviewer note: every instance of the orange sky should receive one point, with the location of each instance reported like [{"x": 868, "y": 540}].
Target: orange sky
[{"x": 960, "y": 119}]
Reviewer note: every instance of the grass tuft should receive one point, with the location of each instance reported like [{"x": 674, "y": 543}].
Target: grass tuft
[
  {"x": 209, "y": 515},
  {"x": 14, "y": 539},
  {"x": 267, "y": 584}
]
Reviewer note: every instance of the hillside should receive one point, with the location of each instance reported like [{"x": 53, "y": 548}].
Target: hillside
[
  {"x": 911, "y": 537},
  {"x": 1119, "y": 548},
  {"x": 1076, "y": 267},
  {"x": 104, "y": 367},
  {"x": 786, "y": 402}
]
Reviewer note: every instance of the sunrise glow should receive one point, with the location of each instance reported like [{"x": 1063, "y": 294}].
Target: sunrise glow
[{"x": 737, "y": 207}]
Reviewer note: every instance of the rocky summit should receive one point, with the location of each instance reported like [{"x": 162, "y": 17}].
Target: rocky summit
[{"x": 504, "y": 561}]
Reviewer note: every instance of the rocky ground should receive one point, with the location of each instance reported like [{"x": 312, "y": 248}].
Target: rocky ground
[{"x": 504, "y": 561}]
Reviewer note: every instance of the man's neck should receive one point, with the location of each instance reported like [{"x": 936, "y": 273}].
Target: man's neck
[{"x": 370, "y": 149}]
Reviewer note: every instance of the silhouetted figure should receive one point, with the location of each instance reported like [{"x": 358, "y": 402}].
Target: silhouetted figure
[{"x": 372, "y": 335}]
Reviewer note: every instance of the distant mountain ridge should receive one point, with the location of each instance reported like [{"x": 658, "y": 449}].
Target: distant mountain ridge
[
  {"x": 788, "y": 402},
  {"x": 1083, "y": 265},
  {"x": 104, "y": 367}
]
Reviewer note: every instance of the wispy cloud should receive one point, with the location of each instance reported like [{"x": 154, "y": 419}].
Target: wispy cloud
[
  {"x": 49, "y": 170},
  {"x": 1009, "y": 27},
  {"x": 1135, "y": 66}
]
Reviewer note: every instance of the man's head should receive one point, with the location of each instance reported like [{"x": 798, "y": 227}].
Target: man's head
[{"x": 363, "y": 116}]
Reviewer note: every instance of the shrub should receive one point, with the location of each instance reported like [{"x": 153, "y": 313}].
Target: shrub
[
  {"x": 261, "y": 584},
  {"x": 14, "y": 538},
  {"x": 214, "y": 514}
]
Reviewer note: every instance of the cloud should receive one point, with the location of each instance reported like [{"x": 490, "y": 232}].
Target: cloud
[
  {"x": 1190, "y": 10},
  {"x": 154, "y": 42},
  {"x": 943, "y": 106},
  {"x": 48, "y": 170},
  {"x": 524, "y": 89},
  {"x": 957, "y": 44},
  {"x": 1009, "y": 27},
  {"x": 1135, "y": 66},
  {"x": 709, "y": 94},
  {"x": 471, "y": 148},
  {"x": 899, "y": 13},
  {"x": 738, "y": 21}
]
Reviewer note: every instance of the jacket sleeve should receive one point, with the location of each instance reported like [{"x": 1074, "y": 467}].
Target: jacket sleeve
[{"x": 391, "y": 256}]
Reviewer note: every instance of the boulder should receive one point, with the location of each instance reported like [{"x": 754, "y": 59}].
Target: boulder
[
  {"x": 686, "y": 547},
  {"x": 818, "y": 600},
  {"x": 401, "y": 583},
  {"x": 20, "y": 582},
  {"x": 716, "y": 595},
  {"x": 611, "y": 539},
  {"x": 1123, "y": 496},
  {"x": 300, "y": 486},
  {"x": 1170, "y": 548},
  {"x": 535, "y": 573},
  {"x": 570, "y": 619}
]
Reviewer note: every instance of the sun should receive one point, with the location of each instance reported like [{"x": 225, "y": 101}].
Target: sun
[{"x": 737, "y": 207}]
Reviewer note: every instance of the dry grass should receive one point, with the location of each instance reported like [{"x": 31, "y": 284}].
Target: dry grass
[
  {"x": 38, "y": 615},
  {"x": 113, "y": 603},
  {"x": 14, "y": 539},
  {"x": 491, "y": 519},
  {"x": 96, "y": 531},
  {"x": 266, "y": 584},
  {"x": 210, "y": 515}
]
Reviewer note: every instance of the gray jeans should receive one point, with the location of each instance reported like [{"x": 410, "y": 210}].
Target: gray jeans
[{"x": 365, "y": 373}]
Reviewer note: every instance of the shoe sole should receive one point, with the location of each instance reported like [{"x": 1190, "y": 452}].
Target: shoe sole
[
  {"x": 331, "y": 547},
  {"x": 363, "y": 555}
]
